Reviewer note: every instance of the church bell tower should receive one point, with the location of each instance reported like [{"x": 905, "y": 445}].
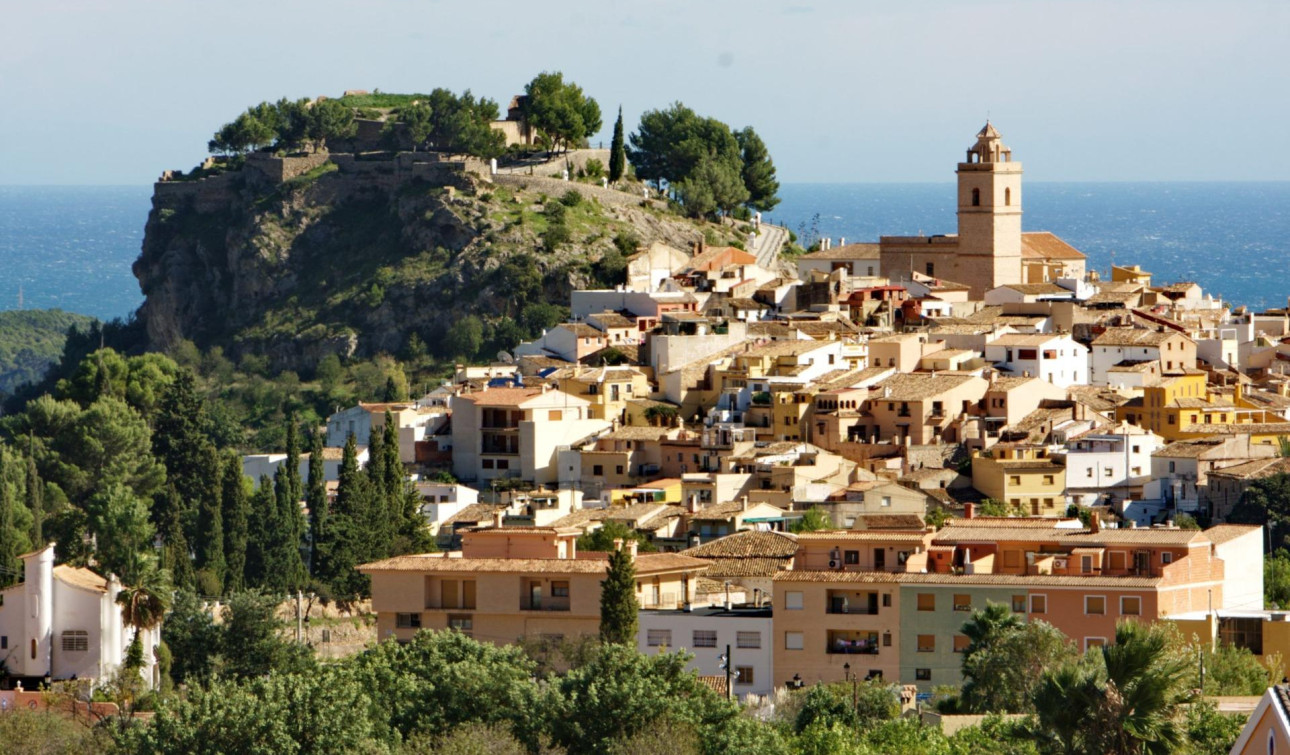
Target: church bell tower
[{"x": 989, "y": 193}]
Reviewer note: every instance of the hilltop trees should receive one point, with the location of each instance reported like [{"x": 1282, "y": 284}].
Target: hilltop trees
[
  {"x": 285, "y": 125},
  {"x": 443, "y": 121},
  {"x": 710, "y": 167},
  {"x": 560, "y": 111}
]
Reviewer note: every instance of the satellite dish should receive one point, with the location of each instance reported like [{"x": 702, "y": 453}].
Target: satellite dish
[{"x": 505, "y": 357}]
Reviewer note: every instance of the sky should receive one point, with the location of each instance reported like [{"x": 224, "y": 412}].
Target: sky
[{"x": 848, "y": 91}]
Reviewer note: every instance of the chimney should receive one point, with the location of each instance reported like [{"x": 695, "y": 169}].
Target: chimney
[
  {"x": 618, "y": 543},
  {"x": 969, "y": 510},
  {"x": 498, "y": 516},
  {"x": 692, "y": 505},
  {"x": 1095, "y": 522},
  {"x": 631, "y": 549},
  {"x": 743, "y": 503}
]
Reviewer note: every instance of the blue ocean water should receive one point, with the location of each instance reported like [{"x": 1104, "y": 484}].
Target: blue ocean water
[
  {"x": 1231, "y": 238},
  {"x": 72, "y": 247}
]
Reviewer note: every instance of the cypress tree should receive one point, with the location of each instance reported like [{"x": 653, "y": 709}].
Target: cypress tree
[
  {"x": 617, "y": 150},
  {"x": 36, "y": 503},
  {"x": 263, "y": 510},
  {"x": 346, "y": 540},
  {"x": 618, "y": 599},
  {"x": 235, "y": 511},
  {"x": 284, "y": 567},
  {"x": 210, "y": 525},
  {"x": 377, "y": 525},
  {"x": 175, "y": 555},
  {"x": 316, "y": 500},
  {"x": 180, "y": 441},
  {"x": 10, "y": 539},
  {"x": 395, "y": 478},
  {"x": 293, "y": 458}
]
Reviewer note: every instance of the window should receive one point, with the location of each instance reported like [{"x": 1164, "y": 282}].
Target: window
[
  {"x": 1166, "y": 557},
  {"x": 1048, "y": 479},
  {"x": 658, "y": 638},
  {"x": 976, "y": 197},
  {"x": 503, "y": 464},
  {"x": 931, "y": 269},
  {"x": 748, "y": 639},
  {"x": 886, "y": 600},
  {"x": 1086, "y": 564},
  {"x": 555, "y": 415},
  {"x": 1130, "y": 605},
  {"x": 597, "y": 470},
  {"x": 743, "y": 674},
  {"x": 4, "y": 642},
  {"x": 793, "y": 601},
  {"x": 792, "y": 640},
  {"x": 886, "y": 639},
  {"x": 463, "y": 623},
  {"x": 1171, "y": 466},
  {"x": 923, "y": 674},
  {"x": 76, "y": 641},
  {"x": 1094, "y": 605},
  {"x": 926, "y": 601},
  {"x": 851, "y": 557},
  {"x": 559, "y": 589},
  {"x": 407, "y": 620},
  {"x": 487, "y": 463},
  {"x": 1039, "y": 604},
  {"x": 962, "y": 602},
  {"x": 886, "y": 500},
  {"x": 618, "y": 469},
  {"x": 1018, "y": 603},
  {"x": 927, "y": 643},
  {"x": 1007, "y": 197},
  {"x": 960, "y": 643},
  {"x": 1094, "y": 642},
  {"x": 1014, "y": 480},
  {"x": 704, "y": 638}
]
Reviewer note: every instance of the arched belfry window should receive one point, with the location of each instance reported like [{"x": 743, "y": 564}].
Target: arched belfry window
[
  {"x": 1007, "y": 197},
  {"x": 976, "y": 197}
]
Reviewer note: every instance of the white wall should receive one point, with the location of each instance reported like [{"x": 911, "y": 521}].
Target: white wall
[
  {"x": 705, "y": 661},
  {"x": 1242, "y": 571}
]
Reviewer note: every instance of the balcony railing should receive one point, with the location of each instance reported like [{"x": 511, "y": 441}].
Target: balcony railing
[{"x": 545, "y": 605}]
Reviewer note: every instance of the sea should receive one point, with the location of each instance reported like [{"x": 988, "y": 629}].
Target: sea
[{"x": 72, "y": 247}]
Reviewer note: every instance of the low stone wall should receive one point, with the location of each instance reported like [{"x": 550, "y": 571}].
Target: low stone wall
[
  {"x": 278, "y": 169},
  {"x": 206, "y": 194}
]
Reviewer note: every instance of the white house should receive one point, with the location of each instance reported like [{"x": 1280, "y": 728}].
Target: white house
[
  {"x": 1115, "y": 464},
  {"x": 704, "y": 633},
  {"x": 413, "y": 420},
  {"x": 1128, "y": 348},
  {"x": 444, "y": 500},
  {"x": 64, "y": 622},
  {"x": 1051, "y": 357},
  {"x": 256, "y": 466}
]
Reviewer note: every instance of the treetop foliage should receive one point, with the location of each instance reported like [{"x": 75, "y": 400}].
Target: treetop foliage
[{"x": 559, "y": 110}]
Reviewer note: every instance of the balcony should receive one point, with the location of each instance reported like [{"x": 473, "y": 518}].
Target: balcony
[
  {"x": 550, "y": 604},
  {"x": 853, "y": 603},
  {"x": 852, "y": 643}
]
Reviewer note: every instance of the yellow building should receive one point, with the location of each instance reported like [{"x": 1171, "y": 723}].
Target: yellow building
[
  {"x": 1182, "y": 407},
  {"x": 607, "y": 389},
  {"x": 1022, "y": 476}
]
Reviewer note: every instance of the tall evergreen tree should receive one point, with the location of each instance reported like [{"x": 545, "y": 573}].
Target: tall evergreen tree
[
  {"x": 284, "y": 568},
  {"x": 347, "y": 540},
  {"x": 180, "y": 440},
  {"x": 292, "y": 461},
  {"x": 175, "y": 556},
  {"x": 36, "y": 503},
  {"x": 211, "y": 558},
  {"x": 618, "y": 604},
  {"x": 236, "y": 512},
  {"x": 11, "y": 540},
  {"x": 758, "y": 171},
  {"x": 316, "y": 501},
  {"x": 617, "y": 150},
  {"x": 395, "y": 478},
  {"x": 377, "y": 525}
]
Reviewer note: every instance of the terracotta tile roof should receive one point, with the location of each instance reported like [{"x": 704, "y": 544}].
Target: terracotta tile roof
[
  {"x": 716, "y": 684},
  {"x": 860, "y": 577},
  {"x": 1258, "y": 468},
  {"x": 581, "y": 330},
  {"x": 1132, "y": 337},
  {"x": 612, "y": 320},
  {"x": 910, "y": 387},
  {"x": 880, "y": 522},
  {"x": 746, "y": 545},
  {"x": 639, "y": 432},
  {"x": 722, "y": 568},
  {"x": 959, "y": 532},
  {"x": 728, "y": 510},
  {"x": 81, "y": 577},
  {"x": 886, "y": 536},
  {"x": 502, "y": 396},
  {"x": 1024, "y": 339},
  {"x": 1045, "y": 245},
  {"x": 475, "y": 512},
  {"x": 587, "y": 563},
  {"x": 1253, "y": 428},
  {"x": 1002, "y": 580},
  {"x": 1189, "y": 449},
  {"x": 1037, "y": 289},
  {"x": 865, "y": 251},
  {"x": 1221, "y": 533}
]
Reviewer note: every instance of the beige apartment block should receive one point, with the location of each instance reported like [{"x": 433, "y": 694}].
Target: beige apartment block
[{"x": 921, "y": 409}]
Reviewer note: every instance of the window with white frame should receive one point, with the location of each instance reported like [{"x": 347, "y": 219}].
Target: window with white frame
[
  {"x": 793, "y": 601},
  {"x": 1094, "y": 605},
  {"x": 1130, "y": 605},
  {"x": 792, "y": 640},
  {"x": 1039, "y": 604}
]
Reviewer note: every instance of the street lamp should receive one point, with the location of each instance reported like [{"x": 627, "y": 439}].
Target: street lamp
[
  {"x": 796, "y": 682},
  {"x": 846, "y": 671}
]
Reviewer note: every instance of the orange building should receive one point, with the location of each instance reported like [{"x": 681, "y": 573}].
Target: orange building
[{"x": 510, "y": 582}]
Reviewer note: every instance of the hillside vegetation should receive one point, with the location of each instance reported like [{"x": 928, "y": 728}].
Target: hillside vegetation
[{"x": 31, "y": 341}]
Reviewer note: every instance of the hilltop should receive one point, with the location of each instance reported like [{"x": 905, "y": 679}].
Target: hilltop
[{"x": 295, "y": 258}]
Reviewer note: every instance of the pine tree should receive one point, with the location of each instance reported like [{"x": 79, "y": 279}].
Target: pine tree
[
  {"x": 617, "y": 150},
  {"x": 11, "y": 540},
  {"x": 36, "y": 503},
  {"x": 618, "y": 604},
  {"x": 316, "y": 501},
  {"x": 211, "y": 559},
  {"x": 236, "y": 511}
]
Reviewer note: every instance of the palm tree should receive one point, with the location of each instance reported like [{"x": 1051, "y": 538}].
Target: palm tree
[
  {"x": 1121, "y": 699},
  {"x": 144, "y": 604},
  {"x": 988, "y": 625}
]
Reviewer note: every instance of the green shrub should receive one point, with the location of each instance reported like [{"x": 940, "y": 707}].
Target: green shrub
[{"x": 571, "y": 198}]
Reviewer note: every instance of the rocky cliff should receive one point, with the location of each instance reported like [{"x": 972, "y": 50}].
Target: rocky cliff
[{"x": 296, "y": 260}]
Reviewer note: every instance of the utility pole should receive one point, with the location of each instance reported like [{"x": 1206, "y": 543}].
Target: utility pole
[{"x": 300, "y": 617}]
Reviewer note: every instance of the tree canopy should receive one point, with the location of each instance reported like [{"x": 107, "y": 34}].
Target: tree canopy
[{"x": 559, "y": 110}]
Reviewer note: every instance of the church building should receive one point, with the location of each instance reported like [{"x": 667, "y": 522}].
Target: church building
[{"x": 989, "y": 249}]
